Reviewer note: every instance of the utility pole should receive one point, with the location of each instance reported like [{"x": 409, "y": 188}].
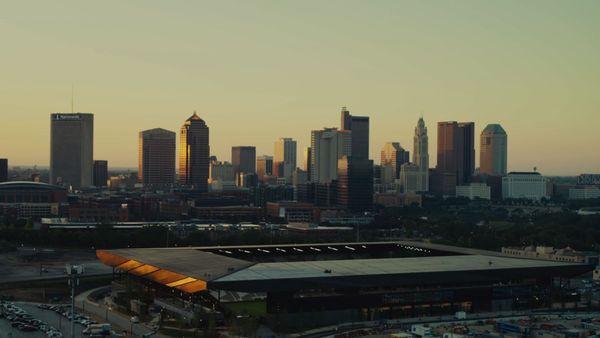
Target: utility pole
[{"x": 73, "y": 273}]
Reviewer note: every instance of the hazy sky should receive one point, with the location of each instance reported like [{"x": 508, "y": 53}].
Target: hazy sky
[{"x": 259, "y": 70}]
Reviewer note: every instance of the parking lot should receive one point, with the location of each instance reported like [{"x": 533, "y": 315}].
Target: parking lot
[{"x": 31, "y": 320}]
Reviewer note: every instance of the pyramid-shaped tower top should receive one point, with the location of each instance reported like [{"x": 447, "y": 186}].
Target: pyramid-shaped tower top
[{"x": 194, "y": 117}]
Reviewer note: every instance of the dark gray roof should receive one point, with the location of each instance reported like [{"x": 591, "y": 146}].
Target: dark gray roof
[
  {"x": 28, "y": 185},
  {"x": 494, "y": 129}
]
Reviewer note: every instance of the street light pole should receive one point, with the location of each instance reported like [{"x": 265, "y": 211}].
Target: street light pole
[{"x": 73, "y": 272}]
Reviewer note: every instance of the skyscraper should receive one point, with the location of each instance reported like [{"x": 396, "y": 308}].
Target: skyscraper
[
  {"x": 355, "y": 183},
  {"x": 327, "y": 147},
  {"x": 243, "y": 159},
  {"x": 194, "y": 153},
  {"x": 359, "y": 125},
  {"x": 72, "y": 149},
  {"x": 493, "y": 151},
  {"x": 421, "y": 154},
  {"x": 284, "y": 159},
  {"x": 456, "y": 150},
  {"x": 392, "y": 157},
  {"x": 156, "y": 157},
  {"x": 100, "y": 173},
  {"x": 3, "y": 170},
  {"x": 264, "y": 166}
]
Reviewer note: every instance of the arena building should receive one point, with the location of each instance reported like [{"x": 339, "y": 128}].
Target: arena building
[{"x": 305, "y": 285}]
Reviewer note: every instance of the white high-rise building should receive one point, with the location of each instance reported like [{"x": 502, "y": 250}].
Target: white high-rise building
[
  {"x": 392, "y": 157},
  {"x": 327, "y": 147},
  {"x": 421, "y": 154},
  {"x": 284, "y": 159}
]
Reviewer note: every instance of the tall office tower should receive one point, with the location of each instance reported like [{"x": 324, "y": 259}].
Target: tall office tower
[
  {"x": 392, "y": 157},
  {"x": 327, "y": 147},
  {"x": 284, "y": 159},
  {"x": 359, "y": 125},
  {"x": 72, "y": 149},
  {"x": 493, "y": 151},
  {"x": 306, "y": 162},
  {"x": 355, "y": 183},
  {"x": 156, "y": 157},
  {"x": 264, "y": 166},
  {"x": 421, "y": 154},
  {"x": 3, "y": 170},
  {"x": 100, "y": 173},
  {"x": 243, "y": 159},
  {"x": 456, "y": 150},
  {"x": 194, "y": 153}
]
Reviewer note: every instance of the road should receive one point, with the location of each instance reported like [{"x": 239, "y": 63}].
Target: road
[{"x": 119, "y": 321}]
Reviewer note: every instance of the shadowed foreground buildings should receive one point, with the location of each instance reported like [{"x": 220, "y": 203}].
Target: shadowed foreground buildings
[
  {"x": 72, "y": 149},
  {"x": 156, "y": 157},
  {"x": 3, "y": 170},
  {"x": 100, "y": 173},
  {"x": 194, "y": 153}
]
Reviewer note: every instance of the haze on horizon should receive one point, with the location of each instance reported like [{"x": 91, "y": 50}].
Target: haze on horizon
[{"x": 259, "y": 70}]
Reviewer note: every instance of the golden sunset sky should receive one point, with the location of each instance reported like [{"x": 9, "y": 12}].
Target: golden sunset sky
[{"x": 259, "y": 70}]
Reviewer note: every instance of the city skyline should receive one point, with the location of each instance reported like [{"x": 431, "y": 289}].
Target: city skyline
[{"x": 536, "y": 77}]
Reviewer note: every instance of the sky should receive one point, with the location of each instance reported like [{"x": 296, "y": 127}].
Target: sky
[{"x": 259, "y": 70}]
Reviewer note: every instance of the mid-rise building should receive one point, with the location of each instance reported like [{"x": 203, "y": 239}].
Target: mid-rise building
[
  {"x": 264, "y": 166},
  {"x": 100, "y": 173},
  {"x": 421, "y": 154},
  {"x": 410, "y": 178},
  {"x": 474, "y": 191},
  {"x": 194, "y": 153},
  {"x": 526, "y": 185},
  {"x": 327, "y": 147},
  {"x": 493, "y": 151},
  {"x": 588, "y": 179},
  {"x": 3, "y": 170},
  {"x": 284, "y": 159},
  {"x": 156, "y": 157},
  {"x": 355, "y": 183},
  {"x": 243, "y": 159},
  {"x": 72, "y": 149},
  {"x": 392, "y": 157},
  {"x": 584, "y": 193},
  {"x": 306, "y": 161},
  {"x": 221, "y": 171}
]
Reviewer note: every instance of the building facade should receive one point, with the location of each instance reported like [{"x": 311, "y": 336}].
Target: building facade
[
  {"x": 493, "y": 151},
  {"x": 100, "y": 173},
  {"x": 527, "y": 185},
  {"x": 392, "y": 157},
  {"x": 355, "y": 183},
  {"x": 264, "y": 166},
  {"x": 421, "y": 153},
  {"x": 410, "y": 179},
  {"x": 456, "y": 149},
  {"x": 243, "y": 159},
  {"x": 359, "y": 125},
  {"x": 284, "y": 159},
  {"x": 327, "y": 147},
  {"x": 72, "y": 149},
  {"x": 584, "y": 193},
  {"x": 3, "y": 170},
  {"x": 156, "y": 157},
  {"x": 474, "y": 191},
  {"x": 194, "y": 153}
]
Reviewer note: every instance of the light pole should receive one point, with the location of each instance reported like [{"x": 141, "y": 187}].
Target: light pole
[{"x": 73, "y": 273}]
